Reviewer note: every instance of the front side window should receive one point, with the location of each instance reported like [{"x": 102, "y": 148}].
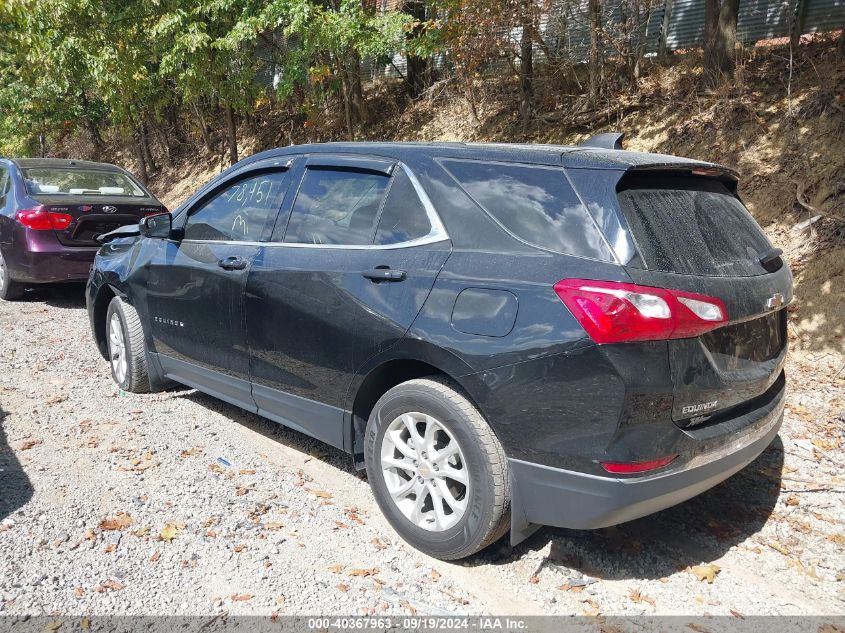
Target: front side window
[
  {"x": 239, "y": 212},
  {"x": 336, "y": 206},
  {"x": 79, "y": 181},
  {"x": 535, "y": 204}
]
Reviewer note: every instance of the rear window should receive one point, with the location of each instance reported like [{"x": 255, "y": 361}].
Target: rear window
[
  {"x": 76, "y": 181},
  {"x": 692, "y": 226},
  {"x": 533, "y": 203}
]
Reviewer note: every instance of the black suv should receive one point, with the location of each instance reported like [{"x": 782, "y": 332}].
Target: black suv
[{"x": 505, "y": 336}]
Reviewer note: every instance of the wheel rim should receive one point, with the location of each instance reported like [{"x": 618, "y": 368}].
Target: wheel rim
[
  {"x": 117, "y": 348},
  {"x": 425, "y": 471}
]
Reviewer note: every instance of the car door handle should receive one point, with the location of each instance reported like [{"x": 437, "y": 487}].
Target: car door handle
[
  {"x": 384, "y": 274},
  {"x": 232, "y": 263}
]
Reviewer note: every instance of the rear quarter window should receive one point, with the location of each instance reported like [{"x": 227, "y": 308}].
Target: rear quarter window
[
  {"x": 692, "y": 226},
  {"x": 535, "y": 204}
]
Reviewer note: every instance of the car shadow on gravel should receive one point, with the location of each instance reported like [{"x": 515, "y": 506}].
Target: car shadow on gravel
[
  {"x": 294, "y": 440},
  {"x": 65, "y": 296},
  {"x": 15, "y": 487},
  {"x": 701, "y": 529}
]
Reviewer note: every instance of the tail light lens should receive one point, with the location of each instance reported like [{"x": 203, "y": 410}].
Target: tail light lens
[
  {"x": 616, "y": 312},
  {"x": 40, "y": 219},
  {"x": 628, "y": 468}
]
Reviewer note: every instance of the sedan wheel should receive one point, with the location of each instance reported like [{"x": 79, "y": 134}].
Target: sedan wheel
[{"x": 9, "y": 289}]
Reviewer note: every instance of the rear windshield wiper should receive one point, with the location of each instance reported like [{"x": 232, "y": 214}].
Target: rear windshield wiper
[{"x": 771, "y": 259}]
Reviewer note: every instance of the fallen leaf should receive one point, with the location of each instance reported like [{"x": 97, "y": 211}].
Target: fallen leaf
[
  {"x": 322, "y": 494},
  {"x": 110, "y": 548},
  {"x": 154, "y": 558},
  {"x": 239, "y": 548},
  {"x": 191, "y": 452},
  {"x": 434, "y": 575},
  {"x": 534, "y": 579},
  {"x": 792, "y": 501},
  {"x": 737, "y": 614},
  {"x": 85, "y": 624},
  {"x": 637, "y": 596},
  {"x": 273, "y": 525},
  {"x": 215, "y": 468},
  {"x": 697, "y": 627},
  {"x": 247, "y": 471},
  {"x": 240, "y": 491},
  {"x": 78, "y": 592},
  {"x": 53, "y": 626},
  {"x": 28, "y": 444},
  {"x": 779, "y": 548},
  {"x": 336, "y": 568},
  {"x": 378, "y": 544},
  {"x": 56, "y": 399},
  {"x": 340, "y": 525},
  {"x": 119, "y": 522},
  {"x": 371, "y": 571},
  {"x": 169, "y": 532},
  {"x": 109, "y": 585},
  {"x": 343, "y": 587},
  {"x": 242, "y": 597},
  {"x": 407, "y": 605},
  {"x": 89, "y": 535},
  {"x": 706, "y": 572}
]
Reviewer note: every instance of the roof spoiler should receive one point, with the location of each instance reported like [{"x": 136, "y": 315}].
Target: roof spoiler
[{"x": 608, "y": 140}]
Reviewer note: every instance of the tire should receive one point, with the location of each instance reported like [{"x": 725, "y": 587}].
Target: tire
[
  {"x": 472, "y": 516},
  {"x": 10, "y": 290},
  {"x": 127, "y": 350}
]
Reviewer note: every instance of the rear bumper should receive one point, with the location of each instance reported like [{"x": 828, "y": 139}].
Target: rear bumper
[
  {"x": 552, "y": 496},
  {"x": 59, "y": 264}
]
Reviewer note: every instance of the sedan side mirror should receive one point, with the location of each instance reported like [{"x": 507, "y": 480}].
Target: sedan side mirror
[{"x": 156, "y": 226}]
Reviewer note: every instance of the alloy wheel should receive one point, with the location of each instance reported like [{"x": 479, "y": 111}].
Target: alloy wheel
[
  {"x": 425, "y": 471},
  {"x": 117, "y": 349}
]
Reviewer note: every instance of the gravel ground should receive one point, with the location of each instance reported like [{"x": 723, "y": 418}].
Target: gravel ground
[{"x": 175, "y": 503}]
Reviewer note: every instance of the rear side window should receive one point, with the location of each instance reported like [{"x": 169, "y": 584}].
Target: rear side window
[
  {"x": 4, "y": 181},
  {"x": 535, "y": 204},
  {"x": 692, "y": 226},
  {"x": 403, "y": 218},
  {"x": 240, "y": 212},
  {"x": 336, "y": 206}
]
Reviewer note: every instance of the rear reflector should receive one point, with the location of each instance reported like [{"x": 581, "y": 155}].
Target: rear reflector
[
  {"x": 617, "y": 312},
  {"x": 40, "y": 219},
  {"x": 627, "y": 468}
]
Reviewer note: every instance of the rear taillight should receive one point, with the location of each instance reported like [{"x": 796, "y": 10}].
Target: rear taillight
[
  {"x": 616, "y": 312},
  {"x": 40, "y": 219},
  {"x": 628, "y": 468}
]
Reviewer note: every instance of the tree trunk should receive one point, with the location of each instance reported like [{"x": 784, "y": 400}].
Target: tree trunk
[
  {"x": 140, "y": 158},
  {"x": 720, "y": 18},
  {"x": 145, "y": 146},
  {"x": 594, "y": 9},
  {"x": 231, "y": 135},
  {"x": 841, "y": 43},
  {"x": 161, "y": 139},
  {"x": 203, "y": 129},
  {"x": 526, "y": 64},
  {"x": 419, "y": 76},
  {"x": 93, "y": 130},
  {"x": 354, "y": 71},
  {"x": 347, "y": 103}
]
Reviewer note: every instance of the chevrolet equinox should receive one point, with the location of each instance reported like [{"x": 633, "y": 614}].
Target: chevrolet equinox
[{"x": 504, "y": 336}]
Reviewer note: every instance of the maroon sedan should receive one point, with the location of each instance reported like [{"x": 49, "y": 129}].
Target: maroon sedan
[{"x": 51, "y": 211}]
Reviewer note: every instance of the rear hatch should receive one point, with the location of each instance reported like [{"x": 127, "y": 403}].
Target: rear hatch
[
  {"x": 693, "y": 233},
  {"x": 90, "y": 216}
]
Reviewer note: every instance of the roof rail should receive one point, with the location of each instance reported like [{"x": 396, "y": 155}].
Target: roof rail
[{"x": 608, "y": 140}]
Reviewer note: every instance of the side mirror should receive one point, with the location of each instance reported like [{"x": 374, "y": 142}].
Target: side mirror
[{"x": 157, "y": 226}]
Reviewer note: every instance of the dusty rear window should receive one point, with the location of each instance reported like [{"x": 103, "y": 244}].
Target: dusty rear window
[
  {"x": 536, "y": 204},
  {"x": 691, "y": 225}
]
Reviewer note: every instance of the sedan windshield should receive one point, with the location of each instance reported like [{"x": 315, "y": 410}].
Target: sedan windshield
[{"x": 75, "y": 182}]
